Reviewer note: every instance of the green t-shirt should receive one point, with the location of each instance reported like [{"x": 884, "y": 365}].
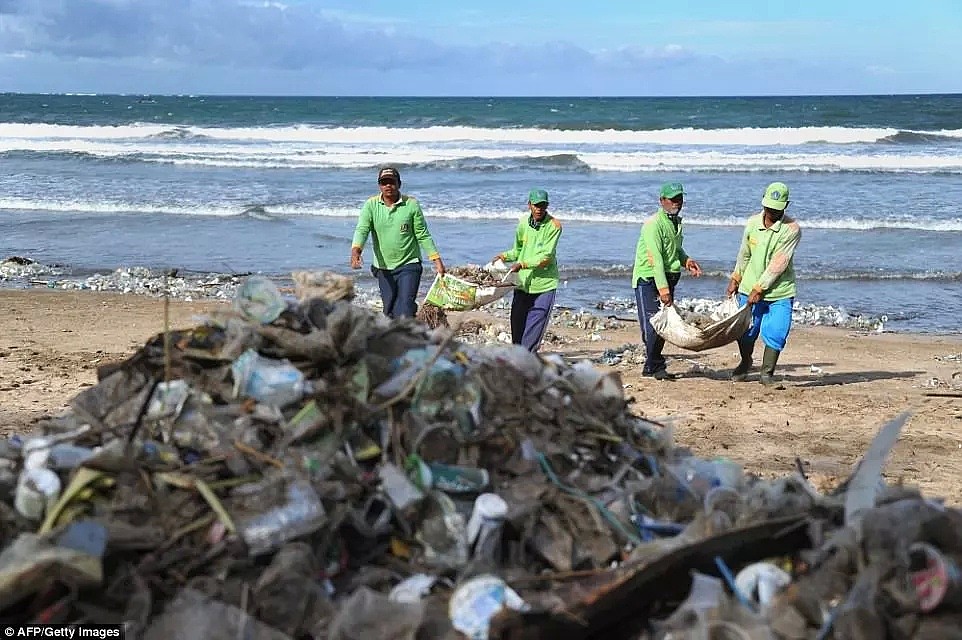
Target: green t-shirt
[
  {"x": 536, "y": 250},
  {"x": 764, "y": 260},
  {"x": 659, "y": 251},
  {"x": 400, "y": 232}
]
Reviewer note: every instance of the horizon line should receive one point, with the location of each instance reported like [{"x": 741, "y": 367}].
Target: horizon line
[{"x": 480, "y": 96}]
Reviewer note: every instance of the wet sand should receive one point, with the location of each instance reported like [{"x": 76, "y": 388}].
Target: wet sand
[{"x": 838, "y": 386}]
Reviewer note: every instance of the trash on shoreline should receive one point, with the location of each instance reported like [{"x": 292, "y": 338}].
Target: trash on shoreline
[{"x": 331, "y": 473}]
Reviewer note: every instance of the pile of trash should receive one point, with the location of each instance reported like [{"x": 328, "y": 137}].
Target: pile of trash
[
  {"x": 311, "y": 469},
  {"x": 20, "y": 269},
  {"x": 481, "y": 275}
]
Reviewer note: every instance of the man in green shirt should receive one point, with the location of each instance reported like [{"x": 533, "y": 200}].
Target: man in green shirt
[
  {"x": 659, "y": 258},
  {"x": 764, "y": 277},
  {"x": 535, "y": 262},
  {"x": 400, "y": 232}
]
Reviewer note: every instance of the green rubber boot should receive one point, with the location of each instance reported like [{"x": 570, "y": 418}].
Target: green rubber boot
[
  {"x": 740, "y": 372},
  {"x": 769, "y": 360}
]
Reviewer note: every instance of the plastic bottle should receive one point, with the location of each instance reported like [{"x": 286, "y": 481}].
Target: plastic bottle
[
  {"x": 274, "y": 382},
  {"x": 455, "y": 479},
  {"x": 63, "y": 457},
  {"x": 301, "y": 514}
]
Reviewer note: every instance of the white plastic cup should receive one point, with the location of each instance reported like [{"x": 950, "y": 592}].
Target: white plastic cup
[
  {"x": 37, "y": 491},
  {"x": 489, "y": 509}
]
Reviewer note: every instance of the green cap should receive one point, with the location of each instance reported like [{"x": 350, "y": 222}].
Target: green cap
[
  {"x": 536, "y": 196},
  {"x": 671, "y": 189},
  {"x": 776, "y": 196}
]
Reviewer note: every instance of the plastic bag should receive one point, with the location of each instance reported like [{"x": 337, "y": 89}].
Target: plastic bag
[
  {"x": 193, "y": 615},
  {"x": 259, "y": 299},
  {"x": 731, "y": 323}
]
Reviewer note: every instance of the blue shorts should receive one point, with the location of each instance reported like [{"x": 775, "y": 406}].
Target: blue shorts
[{"x": 773, "y": 320}]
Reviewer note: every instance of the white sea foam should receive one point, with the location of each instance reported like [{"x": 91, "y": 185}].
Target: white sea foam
[
  {"x": 479, "y": 213},
  {"x": 743, "y": 136},
  {"x": 804, "y": 149}
]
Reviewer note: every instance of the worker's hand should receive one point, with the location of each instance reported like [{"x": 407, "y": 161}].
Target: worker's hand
[
  {"x": 356, "y": 260},
  {"x": 516, "y": 267},
  {"x": 439, "y": 266},
  {"x": 693, "y": 267},
  {"x": 754, "y": 296},
  {"x": 732, "y": 288},
  {"x": 496, "y": 259},
  {"x": 665, "y": 299}
]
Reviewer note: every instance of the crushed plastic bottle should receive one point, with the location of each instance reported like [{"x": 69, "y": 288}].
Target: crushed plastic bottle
[
  {"x": 273, "y": 382},
  {"x": 701, "y": 476},
  {"x": 302, "y": 513}
]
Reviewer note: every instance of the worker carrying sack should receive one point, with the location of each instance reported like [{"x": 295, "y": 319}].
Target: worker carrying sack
[{"x": 728, "y": 323}]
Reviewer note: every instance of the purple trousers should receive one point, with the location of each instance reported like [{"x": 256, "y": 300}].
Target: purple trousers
[{"x": 530, "y": 313}]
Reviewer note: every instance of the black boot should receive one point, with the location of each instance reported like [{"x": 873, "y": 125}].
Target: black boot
[
  {"x": 769, "y": 360},
  {"x": 740, "y": 372}
]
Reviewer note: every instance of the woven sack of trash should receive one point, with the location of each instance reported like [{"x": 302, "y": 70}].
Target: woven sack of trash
[{"x": 699, "y": 333}]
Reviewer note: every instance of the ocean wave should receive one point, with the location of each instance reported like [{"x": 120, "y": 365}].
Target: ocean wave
[
  {"x": 740, "y": 136},
  {"x": 179, "y": 133},
  {"x": 494, "y": 160},
  {"x": 922, "y": 138},
  {"x": 323, "y": 210}
]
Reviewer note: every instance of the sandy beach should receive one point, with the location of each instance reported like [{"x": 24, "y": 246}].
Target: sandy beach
[{"x": 839, "y": 386}]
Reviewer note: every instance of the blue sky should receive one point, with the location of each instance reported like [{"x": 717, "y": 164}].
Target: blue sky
[{"x": 494, "y": 47}]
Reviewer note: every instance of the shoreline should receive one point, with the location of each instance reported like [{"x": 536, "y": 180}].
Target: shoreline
[
  {"x": 17, "y": 273},
  {"x": 839, "y": 385}
]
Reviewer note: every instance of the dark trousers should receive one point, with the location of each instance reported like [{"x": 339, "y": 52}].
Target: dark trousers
[
  {"x": 530, "y": 313},
  {"x": 649, "y": 302},
  {"x": 399, "y": 288}
]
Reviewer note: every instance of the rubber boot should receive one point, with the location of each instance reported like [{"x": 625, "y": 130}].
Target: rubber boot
[
  {"x": 740, "y": 372},
  {"x": 769, "y": 360}
]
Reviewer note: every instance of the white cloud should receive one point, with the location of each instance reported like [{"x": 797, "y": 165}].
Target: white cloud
[{"x": 264, "y": 46}]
